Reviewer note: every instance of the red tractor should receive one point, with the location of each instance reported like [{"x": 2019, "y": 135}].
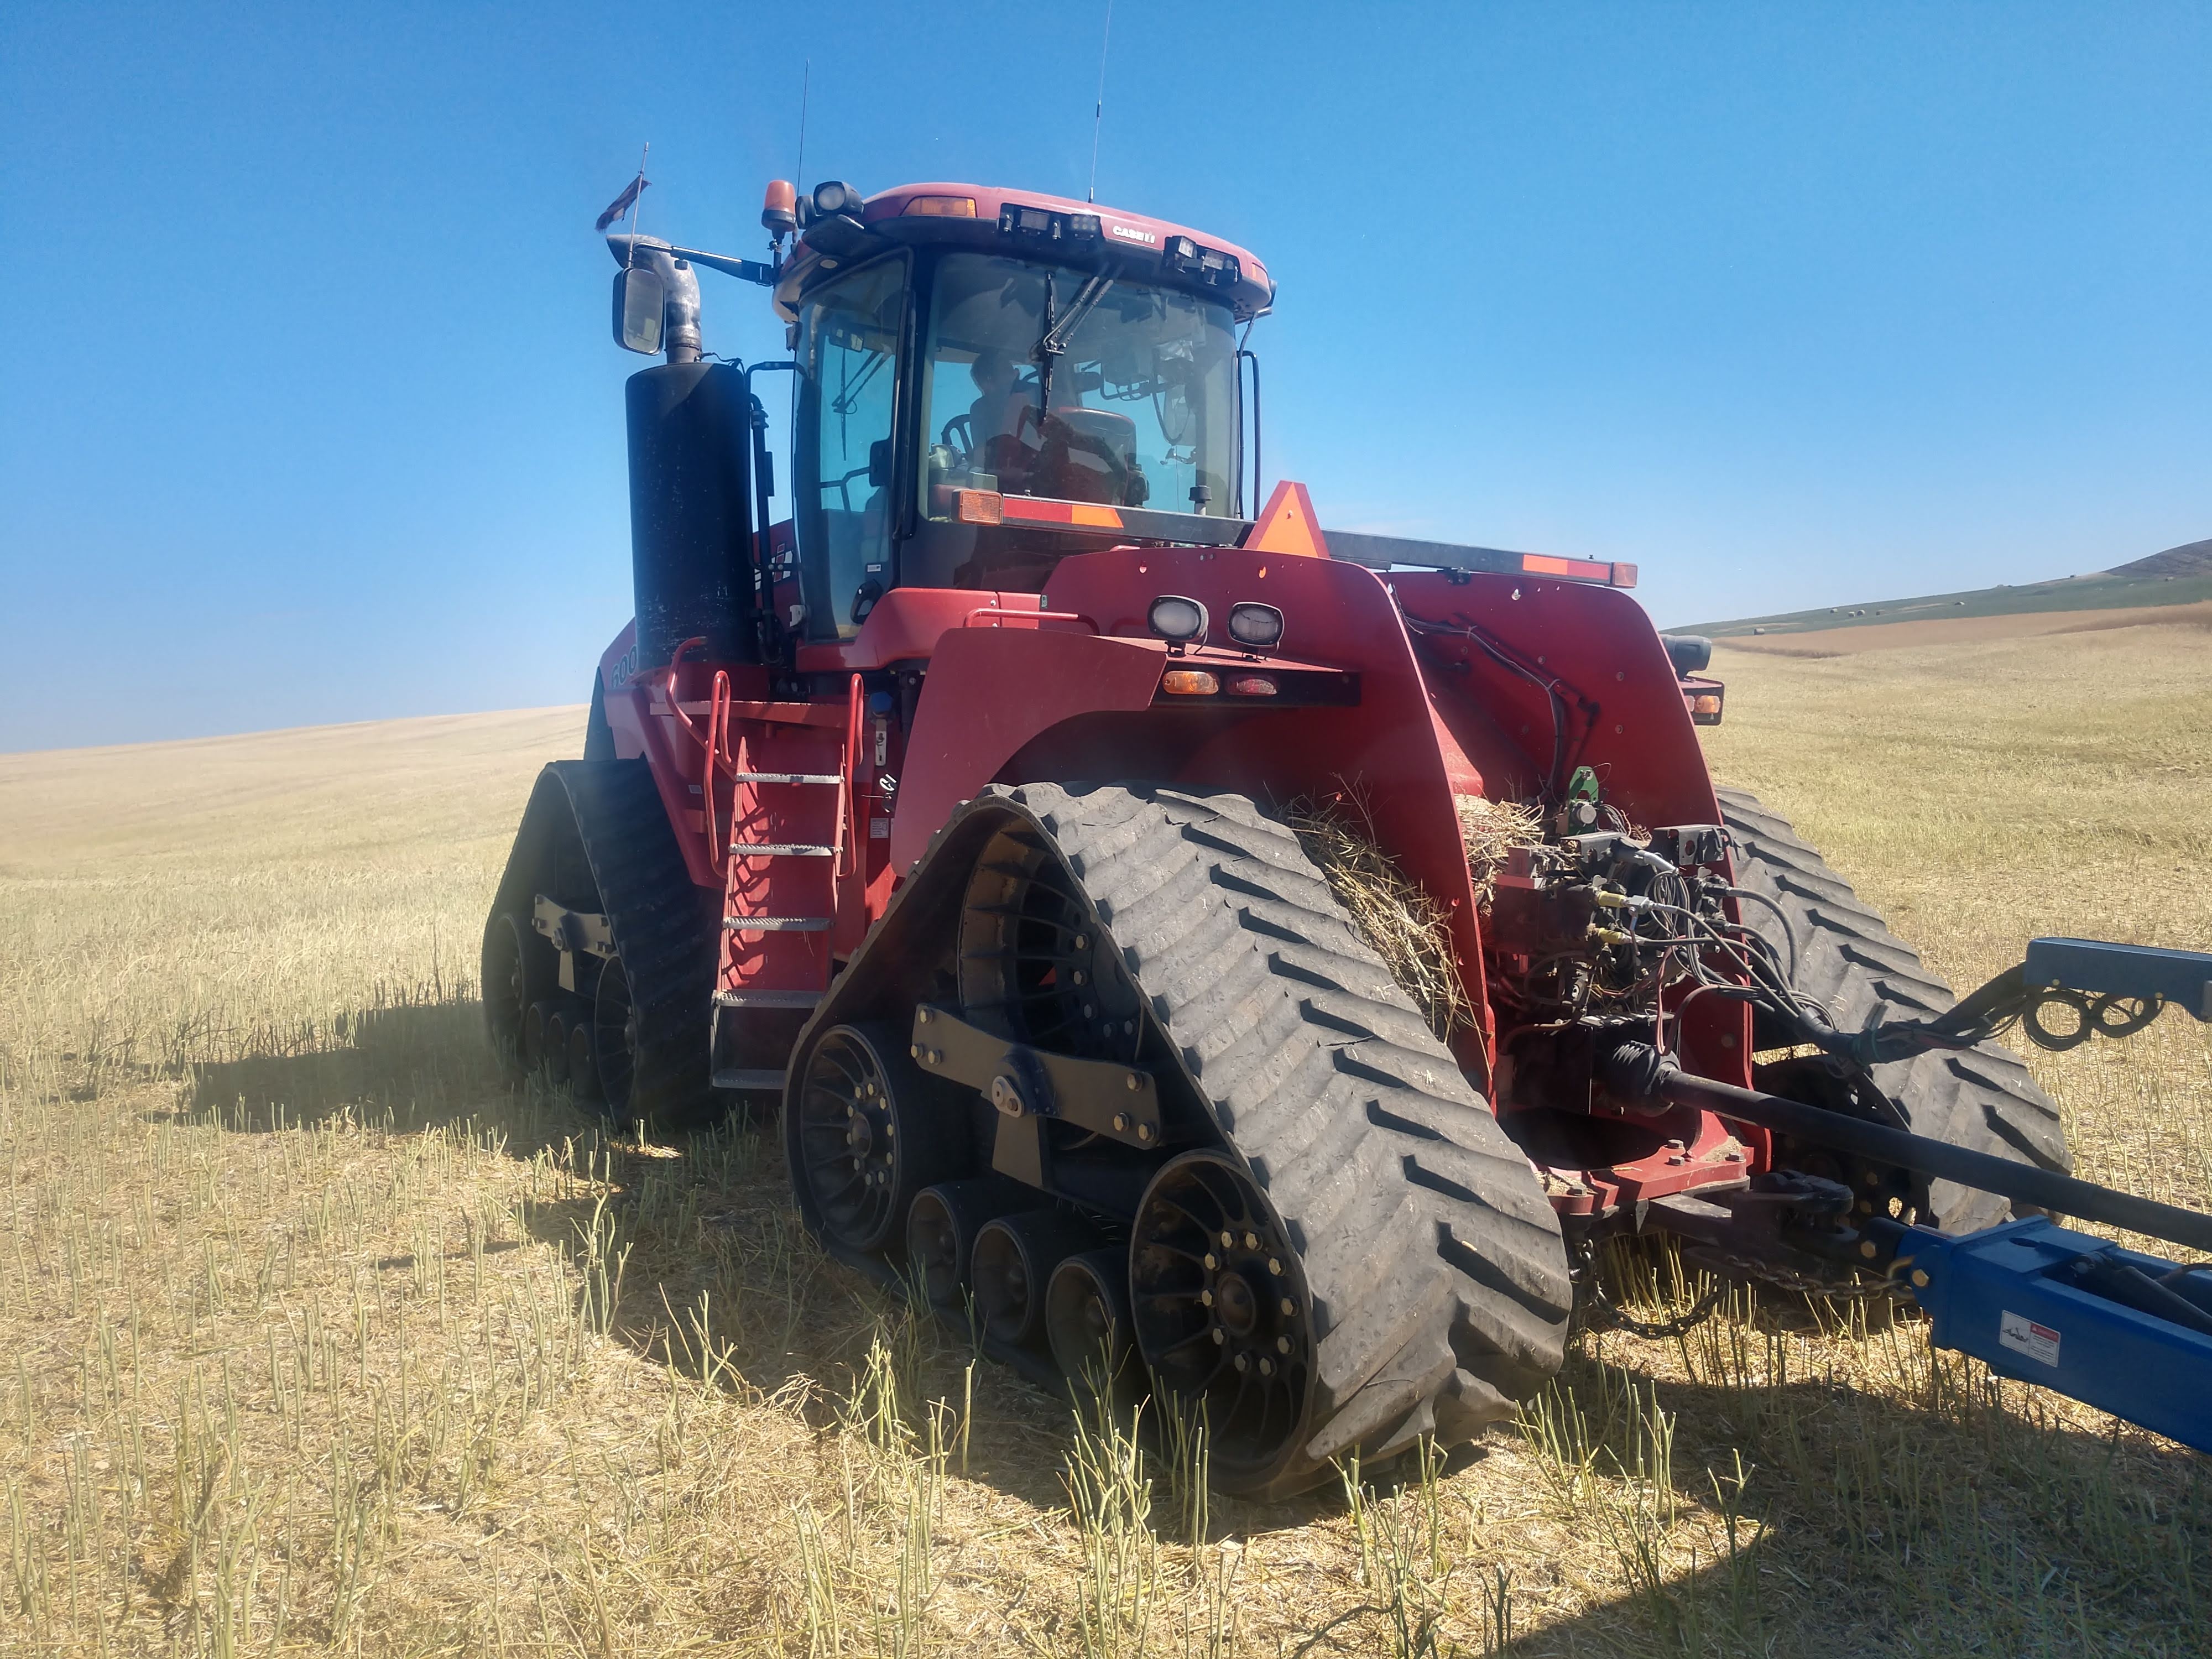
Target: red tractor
[{"x": 970, "y": 810}]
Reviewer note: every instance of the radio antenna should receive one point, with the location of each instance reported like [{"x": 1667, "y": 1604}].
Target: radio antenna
[
  {"x": 1098, "y": 114},
  {"x": 805, "y": 79}
]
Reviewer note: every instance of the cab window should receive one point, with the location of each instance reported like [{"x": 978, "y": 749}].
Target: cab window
[{"x": 848, "y": 363}]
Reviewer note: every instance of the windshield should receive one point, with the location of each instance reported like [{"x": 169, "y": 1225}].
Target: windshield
[{"x": 1040, "y": 381}]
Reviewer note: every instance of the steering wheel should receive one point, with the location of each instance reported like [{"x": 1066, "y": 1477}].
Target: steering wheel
[{"x": 967, "y": 434}]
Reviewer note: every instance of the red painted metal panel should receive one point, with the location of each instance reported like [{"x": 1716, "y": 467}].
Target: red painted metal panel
[
  {"x": 1383, "y": 754},
  {"x": 990, "y": 692},
  {"x": 1627, "y": 722},
  {"x": 904, "y": 627}
]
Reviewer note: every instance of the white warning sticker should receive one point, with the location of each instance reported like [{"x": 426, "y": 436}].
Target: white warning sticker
[{"x": 2023, "y": 1335}]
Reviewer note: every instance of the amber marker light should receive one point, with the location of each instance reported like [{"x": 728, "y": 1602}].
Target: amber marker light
[
  {"x": 940, "y": 207},
  {"x": 978, "y": 506},
  {"x": 1190, "y": 683}
]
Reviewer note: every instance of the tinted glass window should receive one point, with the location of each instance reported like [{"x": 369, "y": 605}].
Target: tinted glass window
[
  {"x": 1077, "y": 386},
  {"x": 848, "y": 360}
]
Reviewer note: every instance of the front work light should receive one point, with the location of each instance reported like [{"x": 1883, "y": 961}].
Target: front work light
[
  {"x": 1176, "y": 619},
  {"x": 1257, "y": 626}
]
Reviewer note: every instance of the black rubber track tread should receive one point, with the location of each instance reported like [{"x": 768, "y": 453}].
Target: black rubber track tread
[
  {"x": 1438, "y": 1278},
  {"x": 664, "y": 933},
  {"x": 1848, "y": 960}
]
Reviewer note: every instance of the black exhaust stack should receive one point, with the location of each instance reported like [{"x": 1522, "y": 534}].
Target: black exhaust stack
[{"x": 690, "y": 517}]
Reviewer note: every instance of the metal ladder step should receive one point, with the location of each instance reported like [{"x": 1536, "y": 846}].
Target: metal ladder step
[
  {"x": 780, "y": 849},
  {"x": 767, "y": 998},
  {"x": 736, "y": 1079},
  {"x": 788, "y": 777},
  {"x": 776, "y": 924}
]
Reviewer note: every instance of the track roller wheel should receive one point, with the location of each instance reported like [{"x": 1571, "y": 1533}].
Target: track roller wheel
[
  {"x": 1086, "y": 1320},
  {"x": 1014, "y": 1259},
  {"x": 614, "y": 1037},
  {"x": 560, "y": 1021},
  {"x": 872, "y": 1130},
  {"x": 1221, "y": 1313},
  {"x": 535, "y": 1020},
  {"x": 583, "y": 1067},
  {"x": 508, "y": 989},
  {"x": 941, "y": 1229}
]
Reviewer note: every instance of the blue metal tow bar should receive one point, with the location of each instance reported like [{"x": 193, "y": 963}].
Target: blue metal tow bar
[{"x": 2036, "y": 1302}]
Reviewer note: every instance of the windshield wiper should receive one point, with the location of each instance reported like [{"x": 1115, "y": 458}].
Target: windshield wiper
[
  {"x": 1058, "y": 329},
  {"x": 842, "y": 405},
  {"x": 1086, "y": 301}
]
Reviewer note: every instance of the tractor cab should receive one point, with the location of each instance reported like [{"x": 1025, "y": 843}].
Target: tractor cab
[{"x": 987, "y": 381}]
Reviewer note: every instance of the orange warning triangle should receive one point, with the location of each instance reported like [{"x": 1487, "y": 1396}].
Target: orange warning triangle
[{"x": 1287, "y": 524}]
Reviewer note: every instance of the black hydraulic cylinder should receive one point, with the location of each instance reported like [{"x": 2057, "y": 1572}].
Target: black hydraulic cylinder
[
  {"x": 2024, "y": 1182},
  {"x": 690, "y": 510}
]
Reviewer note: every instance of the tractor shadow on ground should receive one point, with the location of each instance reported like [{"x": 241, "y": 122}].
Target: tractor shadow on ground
[
  {"x": 1838, "y": 1520},
  {"x": 406, "y": 1067}
]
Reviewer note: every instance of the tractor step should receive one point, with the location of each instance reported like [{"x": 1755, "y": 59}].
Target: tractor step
[
  {"x": 777, "y": 924},
  {"x": 759, "y": 1079},
  {"x": 780, "y": 849},
  {"x": 767, "y": 998},
  {"x": 787, "y": 777}
]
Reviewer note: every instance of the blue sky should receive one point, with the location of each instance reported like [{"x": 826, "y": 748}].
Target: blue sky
[{"x": 309, "y": 413}]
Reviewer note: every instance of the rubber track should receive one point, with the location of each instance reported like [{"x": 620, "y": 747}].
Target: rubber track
[
  {"x": 663, "y": 929},
  {"x": 1438, "y": 1278},
  {"x": 1848, "y": 960}
]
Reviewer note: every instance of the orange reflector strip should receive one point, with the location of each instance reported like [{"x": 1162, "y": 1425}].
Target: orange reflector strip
[
  {"x": 1579, "y": 570},
  {"x": 940, "y": 207},
  {"x": 1022, "y": 509},
  {"x": 1251, "y": 686},
  {"x": 1188, "y": 683},
  {"x": 977, "y": 507}
]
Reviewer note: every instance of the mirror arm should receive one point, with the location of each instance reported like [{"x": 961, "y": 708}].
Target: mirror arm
[{"x": 746, "y": 270}]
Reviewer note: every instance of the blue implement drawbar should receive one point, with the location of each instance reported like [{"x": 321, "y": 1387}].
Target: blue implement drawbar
[
  {"x": 2183, "y": 978},
  {"x": 2128, "y": 1334}
]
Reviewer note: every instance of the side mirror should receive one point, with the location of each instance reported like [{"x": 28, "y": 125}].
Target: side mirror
[
  {"x": 1690, "y": 654},
  {"x": 879, "y": 464},
  {"x": 641, "y": 310}
]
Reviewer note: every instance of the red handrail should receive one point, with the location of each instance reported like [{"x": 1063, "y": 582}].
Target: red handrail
[{"x": 969, "y": 621}]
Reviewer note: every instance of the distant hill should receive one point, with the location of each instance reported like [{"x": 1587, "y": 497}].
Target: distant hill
[
  {"x": 2179, "y": 575},
  {"x": 2190, "y": 559}
]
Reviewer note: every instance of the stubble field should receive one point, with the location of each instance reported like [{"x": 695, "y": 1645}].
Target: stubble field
[{"x": 316, "y": 1338}]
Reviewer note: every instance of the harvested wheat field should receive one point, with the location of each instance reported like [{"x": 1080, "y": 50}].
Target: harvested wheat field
[{"x": 318, "y": 1339}]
